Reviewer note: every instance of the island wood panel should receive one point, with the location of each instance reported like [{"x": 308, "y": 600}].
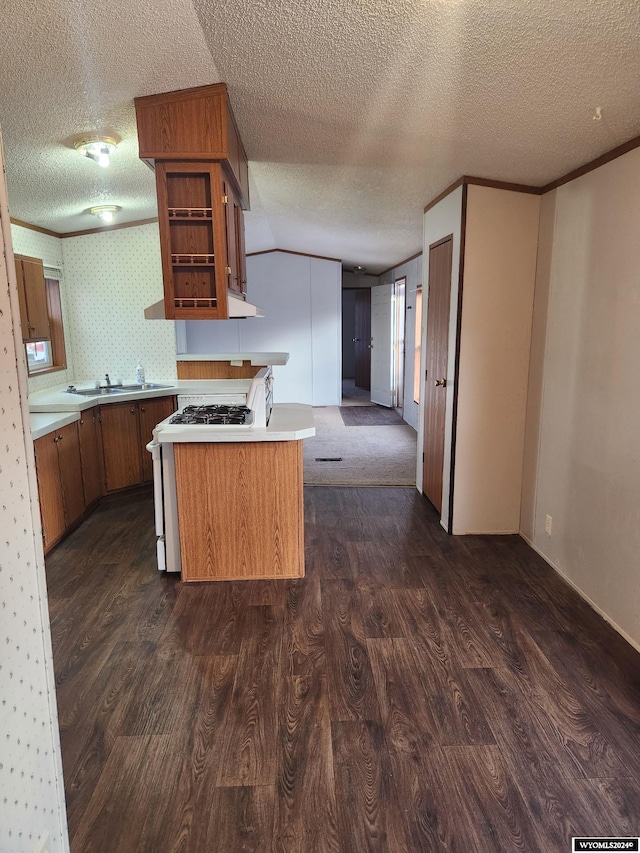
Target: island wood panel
[
  {"x": 240, "y": 510},
  {"x": 216, "y": 370}
]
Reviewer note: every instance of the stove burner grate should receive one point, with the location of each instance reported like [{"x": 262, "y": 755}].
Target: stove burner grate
[{"x": 218, "y": 415}]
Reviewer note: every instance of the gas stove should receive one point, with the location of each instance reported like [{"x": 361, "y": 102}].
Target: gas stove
[{"x": 214, "y": 415}]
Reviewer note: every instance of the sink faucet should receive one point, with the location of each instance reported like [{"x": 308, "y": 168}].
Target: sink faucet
[{"x": 107, "y": 380}]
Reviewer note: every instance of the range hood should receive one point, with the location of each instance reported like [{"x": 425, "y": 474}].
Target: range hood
[{"x": 238, "y": 308}]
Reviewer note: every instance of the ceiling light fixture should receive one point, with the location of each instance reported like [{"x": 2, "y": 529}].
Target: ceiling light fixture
[
  {"x": 105, "y": 211},
  {"x": 358, "y": 270},
  {"x": 97, "y": 148}
]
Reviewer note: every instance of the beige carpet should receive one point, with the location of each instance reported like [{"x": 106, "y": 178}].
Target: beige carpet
[{"x": 370, "y": 455}]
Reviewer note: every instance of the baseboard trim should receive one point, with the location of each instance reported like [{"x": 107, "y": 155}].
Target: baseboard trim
[{"x": 584, "y": 595}]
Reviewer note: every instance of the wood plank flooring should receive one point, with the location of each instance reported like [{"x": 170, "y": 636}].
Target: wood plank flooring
[{"x": 415, "y": 692}]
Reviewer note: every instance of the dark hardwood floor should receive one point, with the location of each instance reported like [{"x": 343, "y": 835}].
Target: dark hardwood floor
[{"x": 415, "y": 692}]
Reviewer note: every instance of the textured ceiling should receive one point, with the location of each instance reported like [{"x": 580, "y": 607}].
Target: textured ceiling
[{"x": 354, "y": 113}]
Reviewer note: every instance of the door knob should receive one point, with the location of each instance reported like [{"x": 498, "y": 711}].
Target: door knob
[
  {"x": 355, "y": 339},
  {"x": 441, "y": 383}
]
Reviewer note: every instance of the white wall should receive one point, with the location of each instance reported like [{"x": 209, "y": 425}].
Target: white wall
[
  {"x": 111, "y": 277},
  {"x": 441, "y": 220},
  {"x": 31, "y": 789},
  {"x": 26, "y": 241},
  {"x": 497, "y": 304},
  {"x": 301, "y": 298},
  {"x": 588, "y": 456}
]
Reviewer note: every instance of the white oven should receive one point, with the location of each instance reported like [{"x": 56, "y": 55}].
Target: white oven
[{"x": 193, "y": 423}]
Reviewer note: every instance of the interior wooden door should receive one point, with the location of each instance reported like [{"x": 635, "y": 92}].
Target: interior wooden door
[
  {"x": 362, "y": 339},
  {"x": 435, "y": 386}
]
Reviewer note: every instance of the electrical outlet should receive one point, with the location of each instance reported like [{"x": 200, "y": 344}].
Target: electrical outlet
[
  {"x": 548, "y": 521},
  {"x": 43, "y": 844}
]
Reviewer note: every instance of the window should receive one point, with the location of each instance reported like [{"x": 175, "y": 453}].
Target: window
[
  {"x": 48, "y": 355},
  {"x": 39, "y": 356}
]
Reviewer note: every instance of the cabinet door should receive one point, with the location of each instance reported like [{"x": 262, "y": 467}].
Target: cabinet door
[
  {"x": 70, "y": 473},
  {"x": 22, "y": 300},
  {"x": 192, "y": 240},
  {"x": 234, "y": 231},
  {"x": 241, "y": 262},
  {"x": 151, "y": 413},
  {"x": 90, "y": 455},
  {"x": 121, "y": 445},
  {"x": 49, "y": 488},
  {"x": 36, "y": 299},
  {"x": 231, "y": 268}
]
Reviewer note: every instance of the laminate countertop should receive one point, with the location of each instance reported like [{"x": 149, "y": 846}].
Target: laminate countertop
[
  {"x": 61, "y": 400},
  {"x": 288, "y": 422}
]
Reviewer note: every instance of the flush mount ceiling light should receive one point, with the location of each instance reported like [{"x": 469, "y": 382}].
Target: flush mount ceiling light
[
  {"x": 105, "y": 212},
  {"x": 97, "y": 148},
  {"x": 358, "y": 270}
]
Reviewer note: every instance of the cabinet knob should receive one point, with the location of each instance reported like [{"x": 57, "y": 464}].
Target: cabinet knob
[
  {"x": 133, "y": 410},
  {"x": 142, "y": 408},
  {"x": 60, "y": 437}
]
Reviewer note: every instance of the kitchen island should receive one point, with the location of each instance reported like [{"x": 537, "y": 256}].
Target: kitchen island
[{"x": 231, "y": 498}]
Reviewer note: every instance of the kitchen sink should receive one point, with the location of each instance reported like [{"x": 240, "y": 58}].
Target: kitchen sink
[
  {"x": 114, "y": 389},
  {"x": 94, "y": 392},
  {"x": 147, "y": 386}
]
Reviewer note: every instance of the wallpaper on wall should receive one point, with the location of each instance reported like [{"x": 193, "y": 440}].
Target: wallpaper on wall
[
  {"x": 31, "y": 792},
  {"x": 111, "y": 277},
  {"x": 49, "y": 250}
]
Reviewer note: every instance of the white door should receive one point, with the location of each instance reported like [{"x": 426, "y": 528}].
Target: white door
[{"x": 382, "y": 362}]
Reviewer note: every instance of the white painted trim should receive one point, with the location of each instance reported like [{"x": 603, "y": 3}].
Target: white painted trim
[{"x": 583, "y": 595}]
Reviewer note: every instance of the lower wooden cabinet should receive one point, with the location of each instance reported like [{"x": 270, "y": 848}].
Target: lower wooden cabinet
[
  {"x": 126, "y": 430},
  {"x": 151, "y": 413},
  {"x": 120, "y": 446},
  {"x": 59, "y": 474},
  {"x": 104, "y": 451},
  {"x": 90, "y": 455}
]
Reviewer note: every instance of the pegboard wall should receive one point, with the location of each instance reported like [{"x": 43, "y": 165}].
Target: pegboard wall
[{"x": 31, "y": 789}]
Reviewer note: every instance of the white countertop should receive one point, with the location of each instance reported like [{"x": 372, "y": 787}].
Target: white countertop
[
  {"x": 43, "y": 424},
  {"x": 263, "y": 359},
  {"x": 288, "y": 422},
  {"x": 59, "y": 400}
]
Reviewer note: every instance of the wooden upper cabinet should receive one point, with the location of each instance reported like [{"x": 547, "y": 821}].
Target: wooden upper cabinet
[
  {"x": 192, "y": 240},
  {"x": 32, "y": 298},
  {"x": 202, "y": 184},
  {"x": 236, "y": 275},
  {"x": 193, "y": 124}
]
